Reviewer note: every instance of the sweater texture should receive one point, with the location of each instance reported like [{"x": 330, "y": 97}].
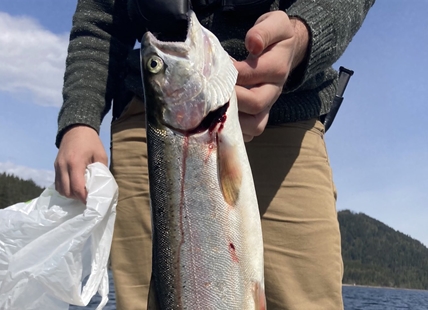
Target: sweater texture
[{"x": 102, "y": 64}]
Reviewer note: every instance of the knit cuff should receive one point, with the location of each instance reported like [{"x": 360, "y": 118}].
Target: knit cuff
[
  {"x": 322, "y": 35},
  {"x": 306, "y": 104},
  {"x": 77, "y": 114}
]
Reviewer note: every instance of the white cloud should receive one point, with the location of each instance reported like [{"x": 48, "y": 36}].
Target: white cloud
[
  {"x": 32, "y": 59},
  {"x": 42, "y": 178}
]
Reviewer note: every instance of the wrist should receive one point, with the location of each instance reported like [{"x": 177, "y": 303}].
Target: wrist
[
  {"x": 76, "y": 130},
  {"x": 302, "y": 41}
]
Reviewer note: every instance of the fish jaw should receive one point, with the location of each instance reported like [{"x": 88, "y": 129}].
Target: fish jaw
[{"x": 196, "y": 78}]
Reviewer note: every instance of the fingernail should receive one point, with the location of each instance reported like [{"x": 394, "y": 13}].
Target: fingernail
[
  {"x": 250, "y": 46},
  {"x": 255, "y": 45}
]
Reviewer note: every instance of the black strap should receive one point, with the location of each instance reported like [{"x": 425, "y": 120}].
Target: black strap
[
  {"x": 164, "y": 15},
  {"x": 166, "y": 18}
]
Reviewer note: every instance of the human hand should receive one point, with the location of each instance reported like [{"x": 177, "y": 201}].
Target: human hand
[
  {"x": 80, "y": 146},
  {"x": 276, "y": 45}
]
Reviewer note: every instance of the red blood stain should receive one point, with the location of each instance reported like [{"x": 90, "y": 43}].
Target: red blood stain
[
  {"x": 210, "y": 151},
  {"x": 219, "y": 120},
  {"x": 222, "y": 121},
  {"x": 232, "y": 251}
]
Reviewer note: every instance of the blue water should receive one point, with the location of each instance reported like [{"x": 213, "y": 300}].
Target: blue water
[
  {"x": 354, "y": 297},
  {"x": 369, "y": 298}
]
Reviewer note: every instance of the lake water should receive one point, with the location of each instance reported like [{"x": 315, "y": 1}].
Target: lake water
[
  {"x": 370, "y": 298},
  {"x": 355, "y": 298}
]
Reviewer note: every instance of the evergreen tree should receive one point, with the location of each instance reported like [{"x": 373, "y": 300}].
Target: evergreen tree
[{"x": 14, "y": 190}]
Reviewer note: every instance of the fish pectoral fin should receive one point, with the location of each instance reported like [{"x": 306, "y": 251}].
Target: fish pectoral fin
[
  {"x": 152, "y": 302},
  {"x": 259, "y": 296},
  {"x": 230, "y": 171}
]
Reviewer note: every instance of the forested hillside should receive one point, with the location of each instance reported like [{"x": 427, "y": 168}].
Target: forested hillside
[
  {"x": 14, "y": 189},
  {"x": 375, "y": 254}
]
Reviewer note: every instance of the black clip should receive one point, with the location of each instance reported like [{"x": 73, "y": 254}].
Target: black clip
[{"x": 344, "y": 76}]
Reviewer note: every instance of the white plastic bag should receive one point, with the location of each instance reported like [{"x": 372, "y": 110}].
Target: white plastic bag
[{"x": 50, "y": 245}]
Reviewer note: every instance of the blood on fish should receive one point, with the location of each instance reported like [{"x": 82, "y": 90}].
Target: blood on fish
[
  {"x": 232, "y": 251},
  {"x": 209, "y": 122},
  {"x": 222, "y": 121},
  {"x": 210, "y": 151},
  {"x": 221, "y": 112}
]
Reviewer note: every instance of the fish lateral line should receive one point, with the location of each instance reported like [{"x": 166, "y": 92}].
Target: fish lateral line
[{"x": 181, "y": 209}]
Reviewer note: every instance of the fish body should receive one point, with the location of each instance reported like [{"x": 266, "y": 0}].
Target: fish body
[{"x": 207, "y": 239}]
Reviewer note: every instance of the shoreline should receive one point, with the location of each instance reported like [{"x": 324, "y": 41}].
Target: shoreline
[{"x": 384, "y": 287}]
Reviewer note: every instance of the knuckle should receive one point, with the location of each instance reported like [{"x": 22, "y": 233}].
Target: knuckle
[
  {"x": 248, "y": 138},
  {"x": 283, "y": 72},
  {"x": 103, "y": 158},
  {"x": 258, "y": 106},
  {"x": 59, "y": 164},
  {"x": 64, "y": 192},
  {"x": 258, "y": 130},
  {"x": 77, "y": 191},
  {"x": 245, "y": 77}
]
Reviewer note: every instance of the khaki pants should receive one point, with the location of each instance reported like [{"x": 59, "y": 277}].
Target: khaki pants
[{"x": 303, "y": 264}]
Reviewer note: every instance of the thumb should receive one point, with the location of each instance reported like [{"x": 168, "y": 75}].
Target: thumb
[
  {"x": 268, "y": 29},
  {"x": 254, "y": 42}
]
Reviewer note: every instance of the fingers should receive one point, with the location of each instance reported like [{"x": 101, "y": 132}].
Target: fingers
[
  {"x": 62, "y": 183},
  {"x": 77, "y": 181},
  {"x": 271, "y": 44},
  {"x": 247, "y": 138},
  {"x": 272, "y": 67},
  {"x": 70, "y": 180},
  {"x": 257, "y": 99},
  {"x": 253, "y": 125},
  {"x": 100, "y": 156},
  {"x": 80, "y": 146}
]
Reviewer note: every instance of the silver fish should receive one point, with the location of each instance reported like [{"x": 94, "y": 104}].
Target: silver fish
[{"x": 207, "y": 238}]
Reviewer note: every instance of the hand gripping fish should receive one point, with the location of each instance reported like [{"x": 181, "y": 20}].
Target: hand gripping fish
[{"x": 207, "y": 239}]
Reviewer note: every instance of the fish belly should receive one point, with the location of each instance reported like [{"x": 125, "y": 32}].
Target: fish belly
[{"x": 207, "y": 250}]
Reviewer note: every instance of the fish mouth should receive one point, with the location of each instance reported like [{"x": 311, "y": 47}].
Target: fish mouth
[
  {"x": 181, "y": 36},
  {"x": 208, "y": 123}
]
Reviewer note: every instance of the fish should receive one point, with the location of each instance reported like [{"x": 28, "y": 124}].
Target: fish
[{"x": 207, "y": 248}]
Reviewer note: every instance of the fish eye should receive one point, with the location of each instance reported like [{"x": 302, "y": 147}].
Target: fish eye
[{"x": 154, "y": 64}]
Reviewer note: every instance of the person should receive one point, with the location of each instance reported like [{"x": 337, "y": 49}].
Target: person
[{"x": 284, "y": 52}]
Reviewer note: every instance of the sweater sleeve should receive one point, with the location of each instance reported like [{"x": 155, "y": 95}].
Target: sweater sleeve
[
  {"x": 100, "y": 40},
  {"x": 331, "y": 25}
]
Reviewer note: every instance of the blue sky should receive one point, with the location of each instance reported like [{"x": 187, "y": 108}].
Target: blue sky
[{"x": 378, "y": 144}]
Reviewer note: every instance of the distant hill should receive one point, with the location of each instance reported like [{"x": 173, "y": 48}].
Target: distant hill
[
  {"x": 375, "y": 254},
  {"x": 14, "y": 190}
]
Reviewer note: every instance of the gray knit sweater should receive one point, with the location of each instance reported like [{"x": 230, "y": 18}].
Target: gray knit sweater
[{"x": 102, "y": 64}]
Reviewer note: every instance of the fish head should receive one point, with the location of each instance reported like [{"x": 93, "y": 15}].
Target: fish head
[{"x": 185, "y": 81}]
